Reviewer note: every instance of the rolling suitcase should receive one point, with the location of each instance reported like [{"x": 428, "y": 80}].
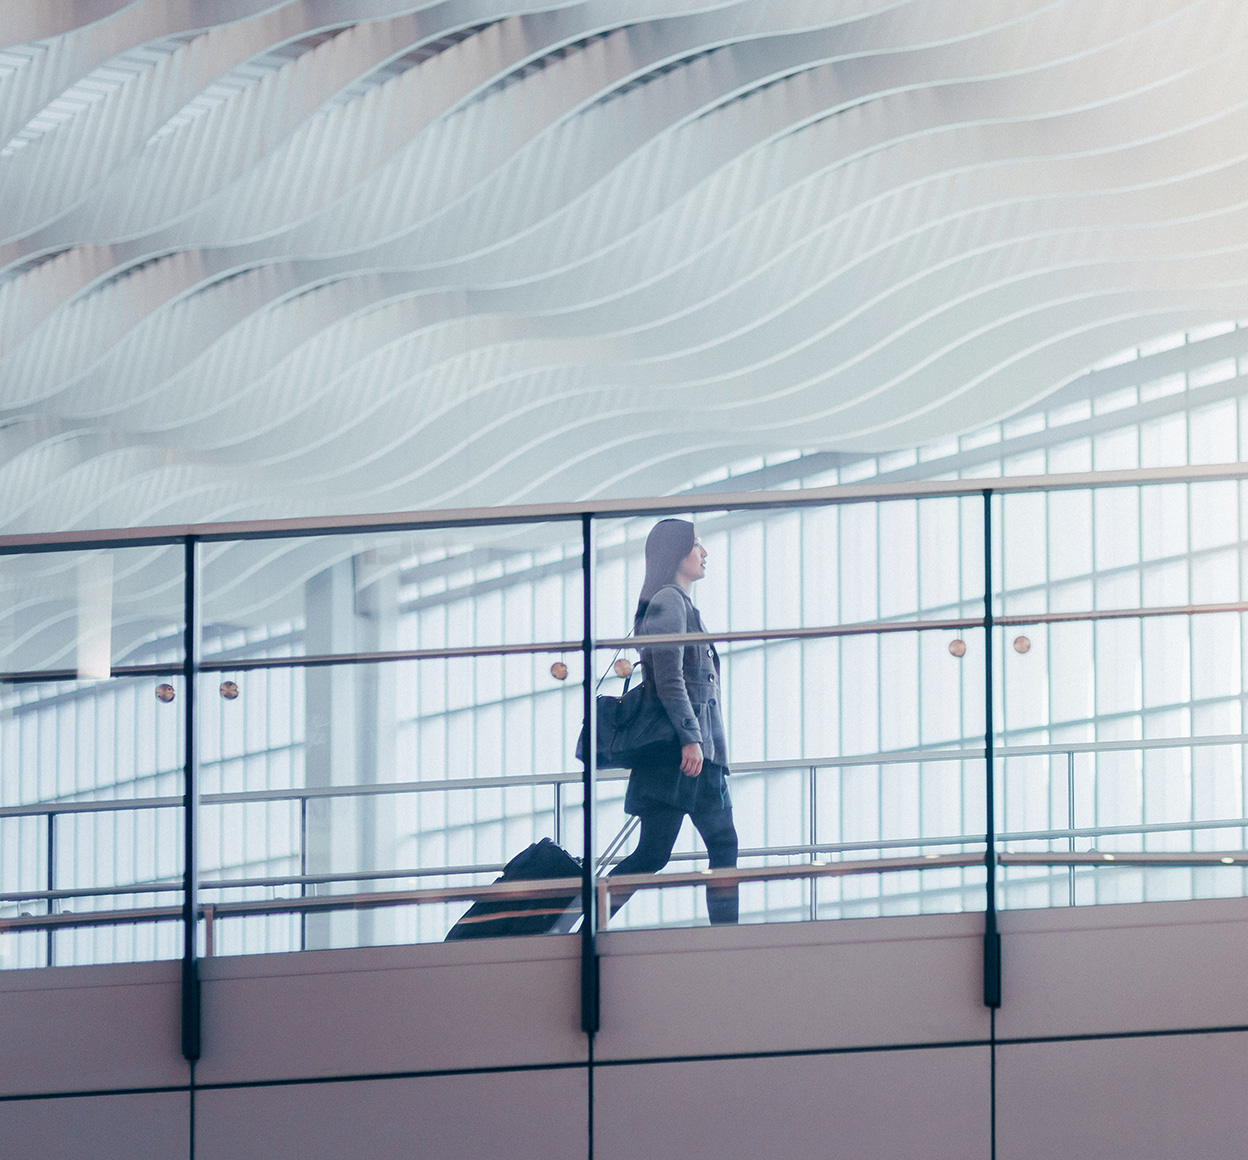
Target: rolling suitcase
[{"x": 499, "y": 917}]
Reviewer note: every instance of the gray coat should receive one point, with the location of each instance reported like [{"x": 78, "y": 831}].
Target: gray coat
[{"x": 685, "y": 677}]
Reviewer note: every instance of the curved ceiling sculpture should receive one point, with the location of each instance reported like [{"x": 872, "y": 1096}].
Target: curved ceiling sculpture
[{"x": 270, "y": 259}]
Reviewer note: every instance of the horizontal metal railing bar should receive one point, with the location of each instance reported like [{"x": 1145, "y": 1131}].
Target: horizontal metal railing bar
[
  {"x": 400, "y": 787},
  {"x": 323, "y": 660},
  {"x": 390, "y": 656},
  {"x": 866, "y": 628},
  {"x": 355, "y": 876},
  {"x": 60, "y": 676},
  {"x": 93, "y": 891},
  {"x": 799, "y": 850},
  {"x": 976, "y": 753},
  {"x": 631, "y": 882},
  {"x": 881, "y": 627},
  {"x": 552, "y": 888},
  {"x": 1121, "y": 746},
  {"x": 175, "y": 884},
  {"x": 1022, "y": 619},
  {"x": 118, "y": 805},
  {"x": 1126, "y": 831},
  {"x": 535, "y": 648},
  {"x": 92, "y": 918},
  {"x": 614, "y": 508},
  {"x": 308, "y": 793},
  {"x": 544, "y": 888},
  {"x": 808, "y": 870},
  {"x": 277, "y": 881},
  {"x": 815, "y": 632},
  {"x": 1195, "y": 858},
  {"x": 884, "y": 757}
]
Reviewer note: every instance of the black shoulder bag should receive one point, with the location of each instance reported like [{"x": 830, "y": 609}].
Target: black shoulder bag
[{"x": 627, "y": 725}]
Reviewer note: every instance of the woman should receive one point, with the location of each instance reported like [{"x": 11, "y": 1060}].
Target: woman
[{"x": 689, "y": 775}]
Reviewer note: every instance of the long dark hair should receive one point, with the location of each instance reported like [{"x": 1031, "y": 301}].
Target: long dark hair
[{"x": 669, "y": 542}]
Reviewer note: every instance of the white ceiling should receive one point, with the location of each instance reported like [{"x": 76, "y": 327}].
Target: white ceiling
[{"x": 268, "y": 259}]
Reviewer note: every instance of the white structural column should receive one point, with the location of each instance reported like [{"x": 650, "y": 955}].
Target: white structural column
[
  {"x": 376, "y": 714},
  {"x": 350, "y": 715}
]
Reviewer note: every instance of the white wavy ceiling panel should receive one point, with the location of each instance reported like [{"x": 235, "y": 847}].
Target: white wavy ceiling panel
[{"x": 265, "y": 259}]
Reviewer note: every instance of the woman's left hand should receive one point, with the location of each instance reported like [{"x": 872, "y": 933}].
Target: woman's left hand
[{"x": 691, "y": 759}]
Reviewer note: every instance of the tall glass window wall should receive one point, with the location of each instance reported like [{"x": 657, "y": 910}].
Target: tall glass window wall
[{"x": 844, "y": 745}]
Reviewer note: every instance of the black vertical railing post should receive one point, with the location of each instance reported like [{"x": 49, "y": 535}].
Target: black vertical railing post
[
  {"x": 992, "y": 937},
  {"x": 813, "y": 836},
  {"x": 190, "y": 807},
  {"x": 303, "y": 871},
  {"x": 589, "y": 755},
  {"x": 51, "y": 908}
]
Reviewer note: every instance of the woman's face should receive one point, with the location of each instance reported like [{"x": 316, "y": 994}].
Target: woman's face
[{"x": 693, "y": 566}]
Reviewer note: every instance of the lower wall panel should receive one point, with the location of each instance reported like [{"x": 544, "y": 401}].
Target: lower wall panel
[
  {"x": 537, "y": 1114},
  {"x": 76, "y": 1029},
  {"x": 508, "y": 1002},
  {"x": 792, "y": 987},
  {"x": 1151, "y": 1098},
  {"x": 886, "y": 987},
  {"x": 150, "y": 1126},
  {"x": 933, "y": 1103}
]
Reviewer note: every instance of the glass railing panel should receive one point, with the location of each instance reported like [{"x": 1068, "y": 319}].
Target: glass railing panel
[
  {"x": 807, "y": 568},
  {"x": 1118, "y": 548},
  {"x": 901, "y": 809},
  {"x": 802, "y": 795},
  {"x": 85, "y": 613},
  {"x": 1039, "y": 796},
  {"x": 73, "y": 741},
  {"x": 1126, "y": 820},
  {"x": 844, "y": 683},
  {"x": 126, "y": 849},
  {"x": 427, "y": 589},
  {"x": 374, "y": 777},
  {"x": 23, "y": 888},
  {"x": 1102, "y": 679},
  {"x": 91, "y": 777},
  {"x": 841, "y": 694}
]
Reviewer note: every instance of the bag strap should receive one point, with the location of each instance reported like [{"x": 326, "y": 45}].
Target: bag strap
[
  {"x": 611, "y": 662},
  {"x": 685, "y": 594},
  {"x": 610, "y": 666},
  {"x": 627, "y": 680}
]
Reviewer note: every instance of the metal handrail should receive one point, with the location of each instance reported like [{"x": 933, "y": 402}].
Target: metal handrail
[
  {"x": 743, "y": 636},
  {"x": 544, "y": 888},
  {"x": 797, "y": 850},
  {"x": 882, "y": 757},
  {"x": 628, "y": 883},
  {"x": 613, "y": 508},
  {"x": 1127, "y": 858}
]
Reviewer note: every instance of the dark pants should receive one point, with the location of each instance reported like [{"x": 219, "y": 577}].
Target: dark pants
[{"x": 660, "y": 826}]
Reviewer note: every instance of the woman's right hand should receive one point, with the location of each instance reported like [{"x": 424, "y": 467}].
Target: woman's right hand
[{"x": 691, "y": 759}]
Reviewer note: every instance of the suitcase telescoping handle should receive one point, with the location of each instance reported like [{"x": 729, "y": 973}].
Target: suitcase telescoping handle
[{"x": 617, "y": 843}]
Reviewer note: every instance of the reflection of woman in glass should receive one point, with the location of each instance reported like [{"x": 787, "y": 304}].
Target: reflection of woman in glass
[{"x": 688, "y": 775}]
